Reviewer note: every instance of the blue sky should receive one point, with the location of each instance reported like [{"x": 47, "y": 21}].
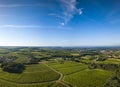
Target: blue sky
[{"x": 59, "y": 22}]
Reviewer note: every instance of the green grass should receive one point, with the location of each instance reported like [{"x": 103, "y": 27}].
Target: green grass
[
  {"x": 88, "y": 78},
  {"x": 39, "y": 75},
  {"x": 22, "y": 60},
  {"x": 57, "y": 65},
  {"x": 86, "y": 61},
  {"x": 75, "y": 54},
  {"x": 4, "y": 83},
  {"x": 58, "y": 85},
  {"x": 111, "y": 61},
  {"x": 47, "y": 84},
  {"x": 72, "y": 69},
  {"x": 67, "y": 68},
  {"x": 87, "y": 57},
  {"x": 36, "y": 68},
  {"x": 79, "y": 75},
  {"x": 34, "y": 74},
  {"x": 2, "y": 50}
]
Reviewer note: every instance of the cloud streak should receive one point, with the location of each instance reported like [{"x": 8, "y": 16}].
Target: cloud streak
[
  {"x": 17, "y": 5},
  {"x": 68, "y": 10},
  {"x": 12, "y": 26},
  {"x": 19, "y": 26}
]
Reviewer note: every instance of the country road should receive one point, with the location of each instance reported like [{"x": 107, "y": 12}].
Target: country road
[{"x": 61, "y": 75}]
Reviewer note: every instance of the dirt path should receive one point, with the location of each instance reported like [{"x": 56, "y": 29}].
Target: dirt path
[{"x": 61, "y": 75}]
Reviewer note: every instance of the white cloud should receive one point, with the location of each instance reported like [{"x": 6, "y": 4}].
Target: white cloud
[
  {"x": 13, "y": 26},
  {"x": 17, "y": 5},
  {"x": 62, "y": 23},
  {"x": 56, "y": 15},
  {"x": 69, "y": 9},
  {"x": 19, "y": 26}
]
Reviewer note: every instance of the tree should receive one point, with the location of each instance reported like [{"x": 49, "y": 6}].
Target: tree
[
  {"x": 13, "y": 67},
  {"x": 34, "y": 61}
]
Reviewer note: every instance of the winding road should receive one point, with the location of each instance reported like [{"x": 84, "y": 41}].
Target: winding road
[{"x": 61, "y": 75}]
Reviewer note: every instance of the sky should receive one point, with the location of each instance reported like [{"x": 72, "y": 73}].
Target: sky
[{"x": 59, "y": 22}]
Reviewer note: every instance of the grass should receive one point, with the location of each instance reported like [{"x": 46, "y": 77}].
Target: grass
[
  {"x": 78, "y": 75},
  {"x": 47, "y": 84},
  {"x": 22, "y": 60},
  {"x": 37, "y": 68},
  {"x": 57, "y": 84},
  {"x": 67, "y": 68},
  {"x": 88, "y": 78},
  {"x": 86, "y": 61},
  {"x": 57, "y": 65},
  {"x": 4, "y": 83},
  {"x": 70, "y": 70},
  {"x": 75, "y": 54},
  {"x": 34, "y": 74},
  {"x": 39, "y": 75},
  {"x": 111, "y": 61}
]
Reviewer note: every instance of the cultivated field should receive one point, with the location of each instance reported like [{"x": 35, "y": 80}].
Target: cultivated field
[
  {"x": 78, "y": 75},
  {"x": 56, "y": 67},
  {"x": 88, "y": 78},
  {"x": 36, "y": 75}
]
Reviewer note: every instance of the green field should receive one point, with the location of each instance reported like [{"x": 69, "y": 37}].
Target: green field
[
  {"x": 78, "y": 75},
  {"x": 37, "y": 74},
  {"x": 113, "y": 61},
  {"x": 40, "y": 75},
  {"x": 67, "y": 68},
  {"x": 56, "y": 67},
  {"x": 58, "y": 85},
  {"x": 88, "y": 78}
]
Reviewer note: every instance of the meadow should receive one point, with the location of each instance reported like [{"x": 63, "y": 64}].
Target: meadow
[
  {"x": 79, "y": 75},
  {"x": 37, "y": 74},
  {"x": 88, "y": 78},
  {"x": 67, "y": 68},
  {"x": 48, "y": 67}
]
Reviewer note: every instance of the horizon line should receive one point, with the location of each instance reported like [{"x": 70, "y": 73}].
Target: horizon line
[{"x": 58, "y": 46}]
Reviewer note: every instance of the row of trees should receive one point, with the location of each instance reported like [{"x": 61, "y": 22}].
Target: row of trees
[
  {"x": 114, "y": 81},
  {"x": 111, "y": 67}
]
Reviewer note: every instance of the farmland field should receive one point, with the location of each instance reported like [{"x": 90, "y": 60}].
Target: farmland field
[
  {"x": 39, "y": 75},
  {"x": 88, "y": 78},
  {"x": 34, "y": 74},
  {"x": 78, "y": 75},
  {"x": 68, "y": 67},
  {"x": 48, "y": 67}
]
